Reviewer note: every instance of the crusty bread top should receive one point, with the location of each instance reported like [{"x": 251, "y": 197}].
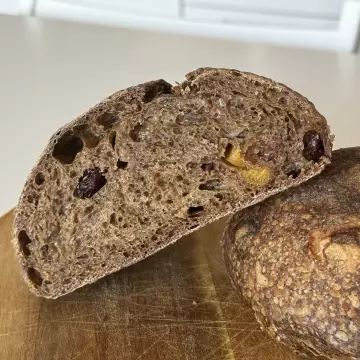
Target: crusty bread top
[
  {"x": 296, "y": 257},
  {"x": 149, "y": 164}
]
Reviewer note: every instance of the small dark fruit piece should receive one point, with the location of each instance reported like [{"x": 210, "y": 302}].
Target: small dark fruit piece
[
  {"x": 90, "y": 183},
  {"x": 313, "y": 146}
]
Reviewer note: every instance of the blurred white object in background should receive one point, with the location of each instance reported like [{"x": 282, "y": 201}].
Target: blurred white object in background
[
  {"x": 16, "y": 7},
  {"x": 320, "y": 24}
]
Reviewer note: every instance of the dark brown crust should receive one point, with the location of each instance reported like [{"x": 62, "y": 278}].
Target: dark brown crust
[
  {"x": 75, "y": 241},
  {"x": 299, "y": 268}
]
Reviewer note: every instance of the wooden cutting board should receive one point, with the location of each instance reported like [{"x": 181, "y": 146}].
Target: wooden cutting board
[{"x": 177, "y": 305}]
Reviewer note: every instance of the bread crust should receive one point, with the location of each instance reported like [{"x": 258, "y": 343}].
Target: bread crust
[{"x": 296, "y": 259}]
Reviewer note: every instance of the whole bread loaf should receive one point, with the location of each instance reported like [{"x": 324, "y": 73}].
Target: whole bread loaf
[
  {"x": 296, "y": 258},
  {"x": 154, "y": 162}
]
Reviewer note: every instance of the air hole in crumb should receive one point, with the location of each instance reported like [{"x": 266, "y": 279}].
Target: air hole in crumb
[
  {"x": 211, "y": 185},
  {"x": 103, "y": 265},
  {"x": 228, "y": 149},
  {"x": 135, "y": 134},
  {"x": 155, "y": 89},
  {"x": 113, "y": 220},
  {"x": 67, "y": 147},
  {"x": 195, "y": 210},
  {"x": 24, "y": 241},
  {"x": 191, "y": 165},
  {"x": 146, "y": 193},
  {"x": 161, "y": 183},
  {"x": 179, "y": 178},
  {"x": 159, "y": 231},
  {"x": 126, "y": 254},
  {"x": 112, "y": 139},
  {"x": 208, "y": 167},
  {"x": 39, "y": 178},
  {"x": 34, "y": 276},
  {"x": 121, "y": 164},
  {"x": 88, "y": 209},
  {"x": 76, "y": 219},
  {"x": 106, "y": 120},
  {"x": 294, "y": 173},
  {"x": 158, "y": 197},
  {"x": 282, "y": 101},
  {"x": 154, "y": 237},
  {"x": 85, "y": 133},
  {"x": 194, "y": 226},
  {"x": 169, "y": 201},
  {"x": 185, "y": 194},
  {"x": 44, "y": 249},
  {"x": 73, "y": 174},
  {"x": 83, "y": 256},
  {"x": 219, "y": 196},
  {"x": 125, "y": 226}
]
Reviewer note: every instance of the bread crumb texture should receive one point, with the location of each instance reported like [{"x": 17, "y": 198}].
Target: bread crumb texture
[{"x": 154, "y": 162}]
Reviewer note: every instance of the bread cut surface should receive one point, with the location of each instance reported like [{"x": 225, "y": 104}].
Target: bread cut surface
[
  {"x": 296, "y": 258},
  {"x": 154, "y": 162}
]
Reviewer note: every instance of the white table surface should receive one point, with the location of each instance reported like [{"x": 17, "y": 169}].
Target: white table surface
[{"x": 51, "y": 71}]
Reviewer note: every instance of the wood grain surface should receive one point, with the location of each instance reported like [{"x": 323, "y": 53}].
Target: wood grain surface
[{"x": 177, "y": 304}]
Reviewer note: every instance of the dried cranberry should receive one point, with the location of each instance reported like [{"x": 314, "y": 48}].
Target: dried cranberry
[
  {"x": 313, "y": 146},
  {"x": 90, "y": 183}
]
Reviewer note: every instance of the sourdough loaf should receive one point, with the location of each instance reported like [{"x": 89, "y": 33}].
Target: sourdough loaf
[
  {"x": 154, "y": 162},
  {"x": 296, "y": 258}
]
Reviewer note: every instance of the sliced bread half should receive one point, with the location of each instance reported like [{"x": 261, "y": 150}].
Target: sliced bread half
[{"x": 154, "y": 162}]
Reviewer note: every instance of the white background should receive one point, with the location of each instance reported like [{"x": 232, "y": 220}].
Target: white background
[{"x": 321, "y": 24}]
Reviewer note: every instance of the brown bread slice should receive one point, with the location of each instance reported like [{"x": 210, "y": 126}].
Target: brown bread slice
[
  {"x": 154, "y": 162},
  {"x": 296, "y": 258}
]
